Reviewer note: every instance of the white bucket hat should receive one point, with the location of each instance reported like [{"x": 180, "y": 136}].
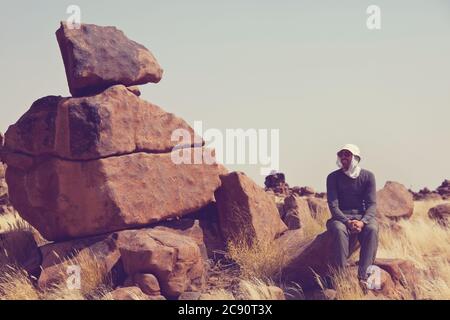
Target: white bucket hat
[{"x": 353, "y": 149}]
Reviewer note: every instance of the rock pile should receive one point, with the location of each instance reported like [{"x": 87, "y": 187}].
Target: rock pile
[
  {"x": 441, "y": 192},
  {"x": 95, "y": 175},
  {"x": 94, "y": 172},
  {"x": 276, "y": 182},
  {"x": 444, "y": 189}
]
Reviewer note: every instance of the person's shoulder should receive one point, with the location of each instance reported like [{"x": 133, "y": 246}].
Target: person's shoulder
[
  {"x": 334, "y": 174},
  {"x": 367, "y": 173}
]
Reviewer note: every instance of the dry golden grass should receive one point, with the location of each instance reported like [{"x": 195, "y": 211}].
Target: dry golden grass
[
  {"x": 94, "y": 279},
  {"x": 11, "y": 221},
  {"x": 15, "y": 284},
  {"x": 17, "y": 237},
  {"x": 261, "y": 260},
  {"x": 426, "y": 244},
  {"x": 347, "y": 286}
]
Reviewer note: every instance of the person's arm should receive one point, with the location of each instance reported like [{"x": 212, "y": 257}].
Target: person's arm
[
  {"x": 370, "y": 200},
  {"x": 333, "y": 201}
]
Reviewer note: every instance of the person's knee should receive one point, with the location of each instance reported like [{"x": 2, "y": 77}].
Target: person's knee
[
  {"x": 337, "y": 227},
  {"x": 371, "y": 230}
]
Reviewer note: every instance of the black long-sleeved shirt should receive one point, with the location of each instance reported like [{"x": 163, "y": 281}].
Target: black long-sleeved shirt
[{"x": 345, "y": 193}]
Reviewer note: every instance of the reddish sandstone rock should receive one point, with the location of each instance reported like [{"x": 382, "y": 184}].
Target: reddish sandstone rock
[
  {"x": 66, "y": 199},
  {"x": 384, "y": 286},
  {"x": 19, "y": 247},
  {"x": 394, "y": 201},
  {"x": 202, "y": 226},
  {"x": 174, "y": 259},
  {"x": 114, "y": 122},
  {"x": 96, "y": 58},
  {"x": 148, "y": 283},
  {"x": 402, "y": 271},
  {"x": 100, "y": 252},
  {"x": 306, "y": 258},
  {"x": 157, "y": 261},
  {"x": 190, "y": 296},
  {"x": 441, "y": 214},
  {"x": 319, "y": 208},
  {"x": 131, "y": 293},
  {"x": 4, "y": 200},
  {"x": 246, "y": 212},
  {"x": 297, "y": 212}
]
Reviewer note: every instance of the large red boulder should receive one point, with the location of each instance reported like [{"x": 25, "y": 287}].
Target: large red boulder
[
  {"x": 307, "y": 257},
  {"x": 68, "y": 199},
  {"x": 174, "y": 259},
  {"x": 246, "y": 212},
  {"x": 114, "y": 122},
  {"x": 157, "y": 260},
  {"x": 394, "y": 201},
  {"x": 98, "y": 57}
]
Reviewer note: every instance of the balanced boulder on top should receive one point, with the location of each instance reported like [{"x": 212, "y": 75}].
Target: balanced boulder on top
[{"x": 96, "y": 58}]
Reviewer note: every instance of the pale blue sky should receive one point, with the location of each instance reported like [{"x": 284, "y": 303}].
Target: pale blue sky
[{"x": 309, "y": 68}]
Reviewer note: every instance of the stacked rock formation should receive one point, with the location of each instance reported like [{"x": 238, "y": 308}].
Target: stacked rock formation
[
  {"x": 95, "y": 175},
  {"x": 87, "y": 170}
]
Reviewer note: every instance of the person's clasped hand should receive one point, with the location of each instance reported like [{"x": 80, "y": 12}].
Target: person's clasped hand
[{"x": 355, "y": 226}]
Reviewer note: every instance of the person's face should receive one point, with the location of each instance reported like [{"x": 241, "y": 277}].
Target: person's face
[{"x": 346, "y": 158}]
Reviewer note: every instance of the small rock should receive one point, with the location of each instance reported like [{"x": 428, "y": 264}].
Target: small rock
[
  {"x": 147, "y": 283},
  {"x": 441, "y": 214},
  {"x": 129, "y": 293},
  {"x": 191, "y": 296}
]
